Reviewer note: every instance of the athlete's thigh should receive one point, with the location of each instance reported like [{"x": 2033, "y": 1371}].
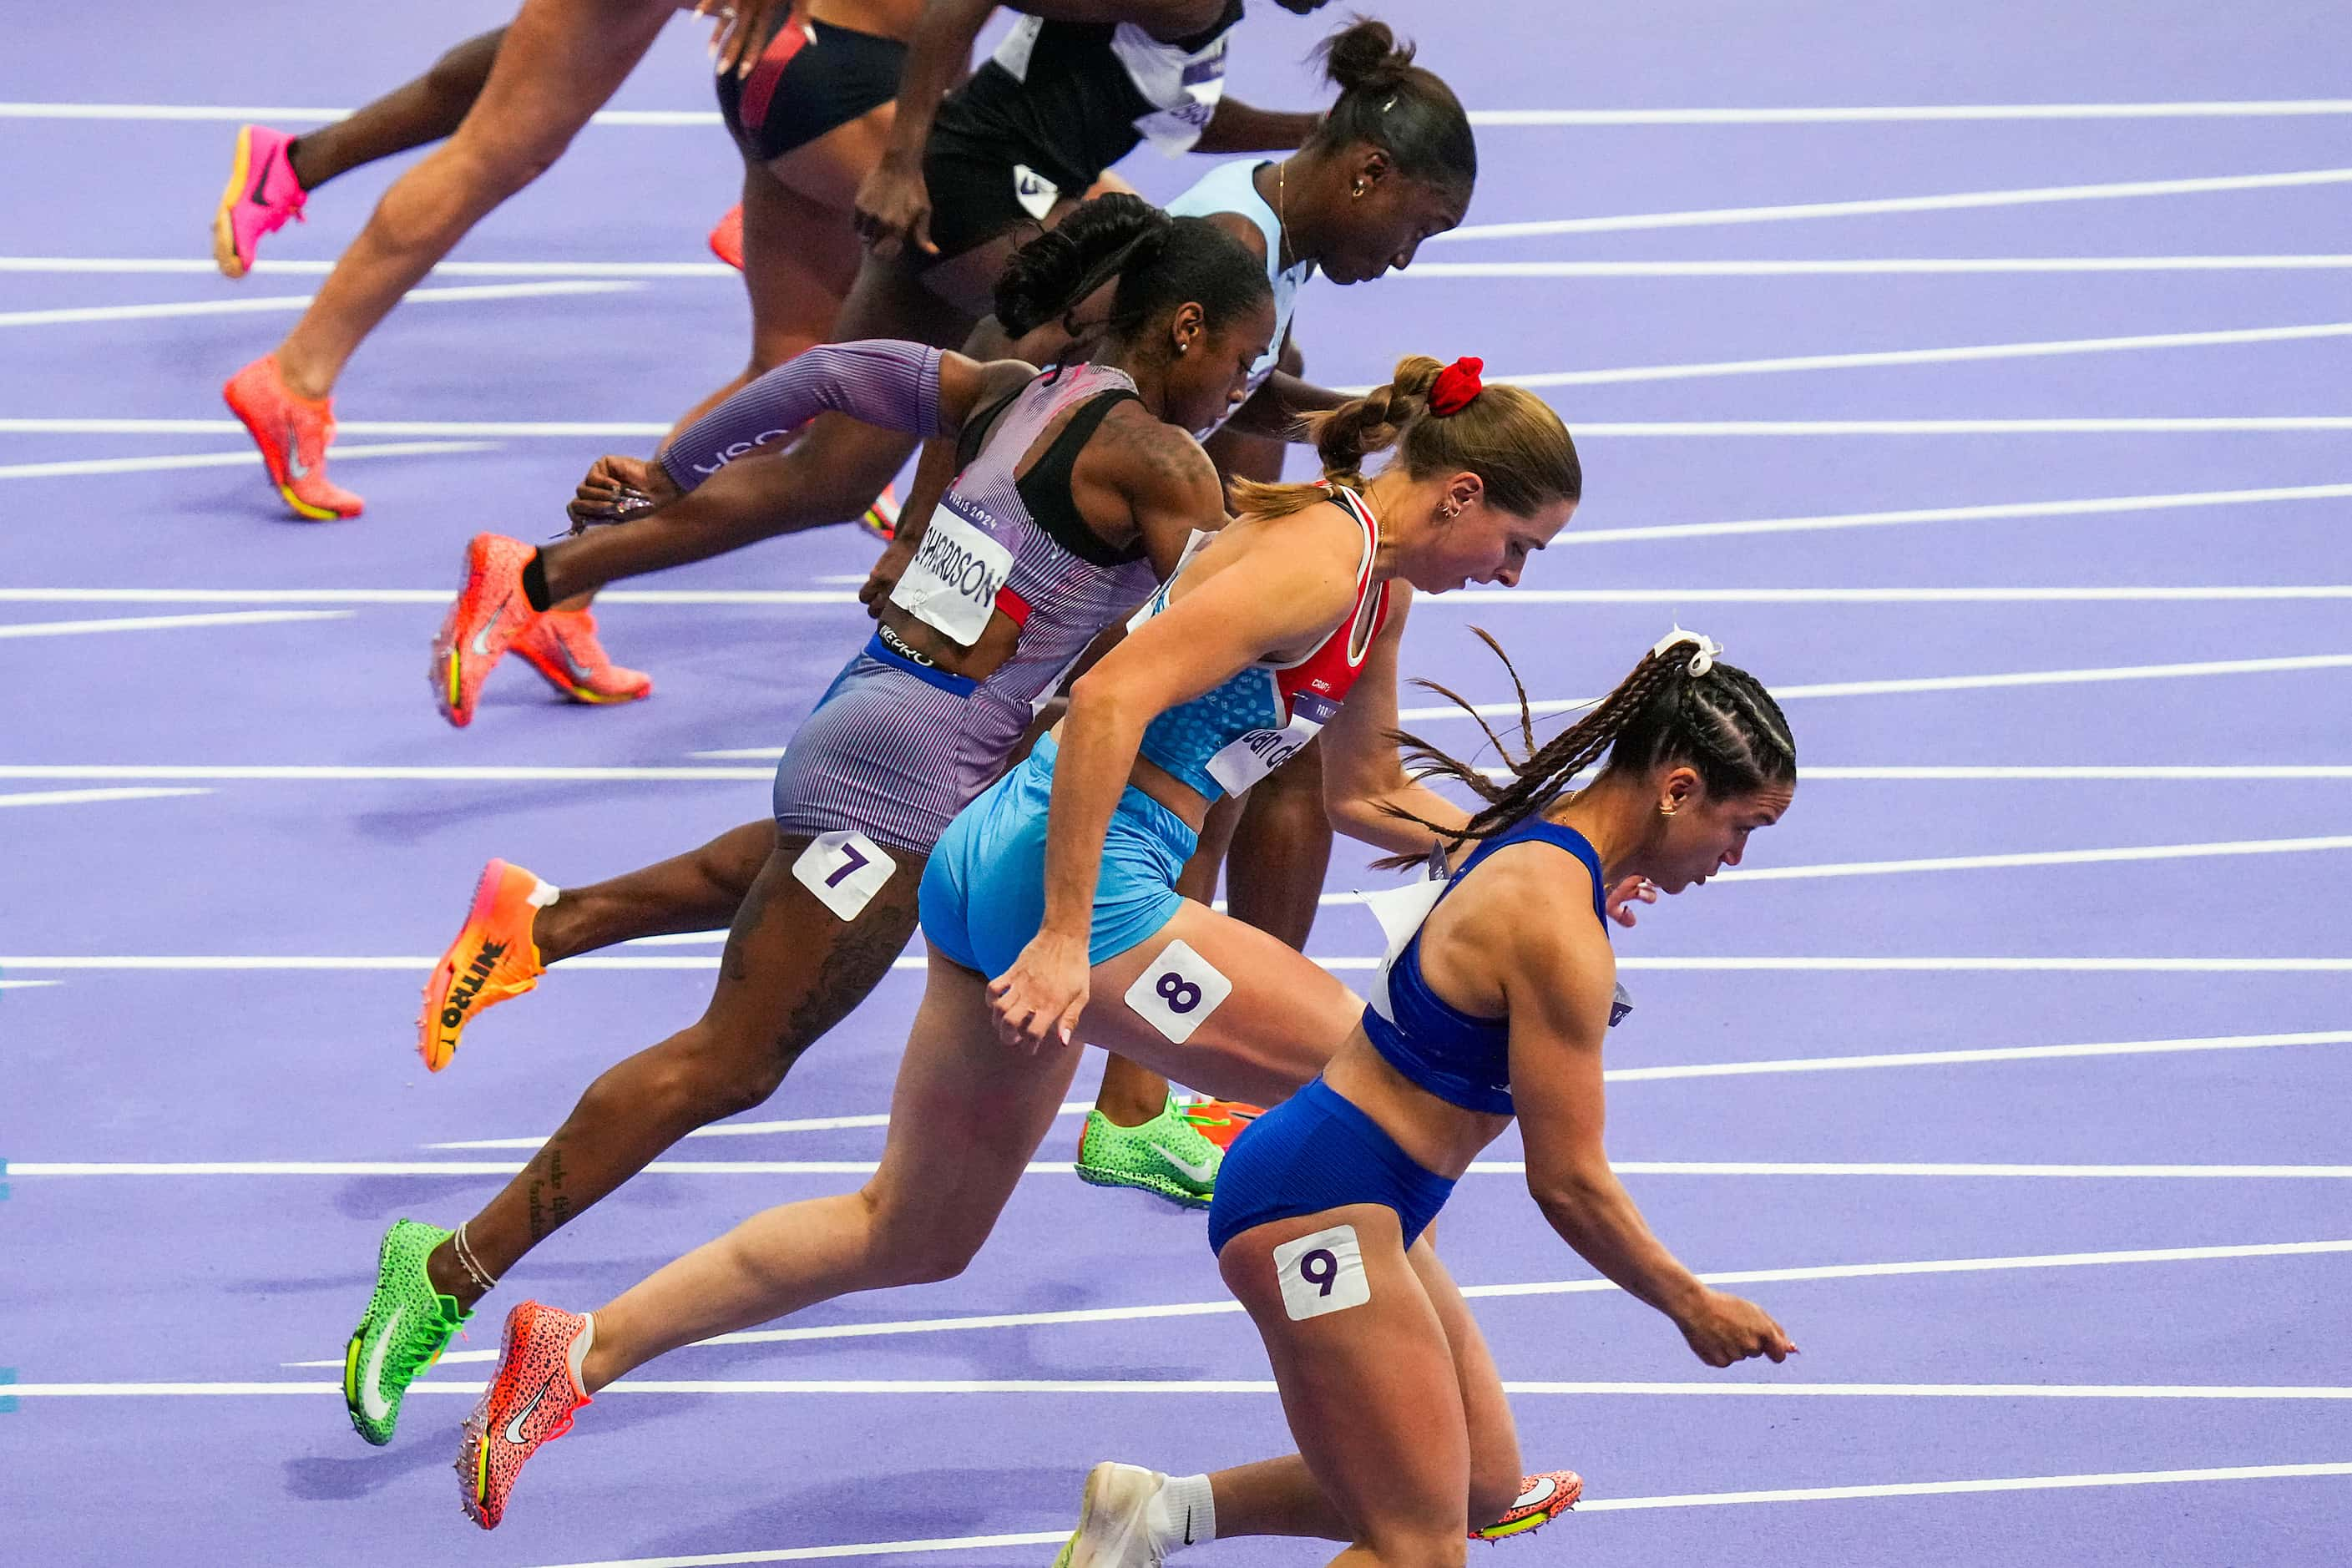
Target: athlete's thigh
[
  {"x": 797, "y": 961},
  {"x": 887, "y": 299},
  {"x": 1495, "y": 1467},
  {"x": 559, "y": 62},
  {"x": 1369, "y": 1388},
  {"x": 799, "y": 258},
  {"x": 829, "y": 170},
  {"x": 968, "y": 1110},
  {"x": 1279, "y": 1019}
]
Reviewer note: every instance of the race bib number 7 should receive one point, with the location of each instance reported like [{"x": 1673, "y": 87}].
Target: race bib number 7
[
  {"x": 844, "y": 870},
  {"x": 953, "y": 582}
]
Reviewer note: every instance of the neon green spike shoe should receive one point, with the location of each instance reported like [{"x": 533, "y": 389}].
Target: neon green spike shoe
[
  {"x": 406, "y": 1325},
  {"x": 1166, "y": 1155}
]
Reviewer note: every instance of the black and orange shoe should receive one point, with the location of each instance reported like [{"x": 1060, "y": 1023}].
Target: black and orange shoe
[{"x": 493, "y": 958}]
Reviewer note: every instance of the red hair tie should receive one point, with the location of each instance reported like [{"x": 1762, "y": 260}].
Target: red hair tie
[{"x": 1457, "y": 387}]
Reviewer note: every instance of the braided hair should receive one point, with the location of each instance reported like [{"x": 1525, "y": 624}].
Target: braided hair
[{"x": 1679, "y": 705}]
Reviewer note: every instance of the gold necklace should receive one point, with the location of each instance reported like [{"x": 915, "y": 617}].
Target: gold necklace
[{"x": 1282, "y": 220}]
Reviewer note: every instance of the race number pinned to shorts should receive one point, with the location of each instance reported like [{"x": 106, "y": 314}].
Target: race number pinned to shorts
[
  {"x": 1177, "y": 992},
  {"x": 1322, "y": 1273},
  {"x": 1034, "y": 191},
  {"x": 1619, "y": 1005},
  {"x": 844, "y": 870}
]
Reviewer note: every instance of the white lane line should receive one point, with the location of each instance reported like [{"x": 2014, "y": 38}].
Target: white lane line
[
  {"x": 1948, "y": 683},
  {"x": 189, "y": 264},
  {"x": 1965, "y": 1170},
  {"x": 1627, "y": 1075},
  {"x": 2041, "y": 857},
  {"x": 86, "y": 796},
  {"x": 1954, "y": 1058},
  {"x": 1483, "y": 598},
  {"x": 72, "y": 467},
  {"x": 2045, "y": 349},
  {"x": 1111, "y": 1386},
  {"x": 746, "y": 1129},
  {"x": 1809, "y": 963},
  {"x": 25, "y": 985},
  {"x": 1834, "y": 114},
  {"x": 442, "y": 595},
  {"x": 498, "y": 773},
  {"x": 1877, "y": 205},
  {"x": 2229, "y": 424},
  {"x": 167, "y": 623},
  {"x": 49, "y": 426},
  {"x": 1861, "y": 266},
  {"x": 486, "y": 773},
  {"x": 1709, "y": 428},
  {"x": 462, "y": 294},
  {"x": 2089, "y": 506},
  {"x": 1954, "y": 1489},
  {"x": 1491, "y": 1292},
  {"x": 1590, "y": 1505}
]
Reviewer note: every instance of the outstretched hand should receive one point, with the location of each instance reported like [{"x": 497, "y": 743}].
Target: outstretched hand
[
  {"x": 617, "y": 488},
  {"x": 1038, "y": 1000},
  {"x": 1725, "y": 1329},
  {"x": 1623, "y": 896}
]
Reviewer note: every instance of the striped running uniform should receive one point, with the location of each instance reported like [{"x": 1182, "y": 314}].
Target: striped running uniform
[{"x": 898, "y": 746}]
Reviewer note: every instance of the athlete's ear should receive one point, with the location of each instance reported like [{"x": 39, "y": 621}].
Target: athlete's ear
[
  {"x": 1463, "y": 489},
  {"x": 1372, "y": 166},
  {"x": 1187, "y": 326}
]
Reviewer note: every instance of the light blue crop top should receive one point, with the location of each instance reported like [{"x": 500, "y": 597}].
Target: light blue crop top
[{"x": 1234, "y": 734}]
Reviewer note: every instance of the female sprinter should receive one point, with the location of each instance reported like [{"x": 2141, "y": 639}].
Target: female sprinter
[
  {"x": 1391, "y": 164},
  {"x": 1083, "y": 488},
  {"x": 1259, "y": 639},
  {"x": 1494, "y": 1003}
]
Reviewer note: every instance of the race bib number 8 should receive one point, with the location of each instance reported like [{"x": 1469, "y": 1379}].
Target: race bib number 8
[
  {"x": 953, "y": 581},
  {"x": 1177, "y": 992},
  {"x": 1321, "y": 1273},
  {"x": 844, "y": 870}
]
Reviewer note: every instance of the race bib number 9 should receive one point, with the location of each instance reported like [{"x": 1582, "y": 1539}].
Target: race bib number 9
[
  {"x": 1177, "y": 992},
  {"x": 844, "y": 870},
  {"x": 953, "y": 581},
  {"x": 1321, "y": 1273}
]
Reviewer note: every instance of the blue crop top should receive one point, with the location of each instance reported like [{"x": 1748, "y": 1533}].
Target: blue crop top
[{"x": 1462, "y": 1059}]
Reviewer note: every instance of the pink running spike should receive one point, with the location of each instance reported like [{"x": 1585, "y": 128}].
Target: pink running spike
[{"x": 262, "y": 193}]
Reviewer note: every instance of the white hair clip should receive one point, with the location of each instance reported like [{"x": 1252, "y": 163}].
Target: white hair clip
[{"x": 1702, "y": 661}]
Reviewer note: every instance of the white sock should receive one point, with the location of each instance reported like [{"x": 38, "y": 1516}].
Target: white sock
[{"x": 1184, "y": 1513}]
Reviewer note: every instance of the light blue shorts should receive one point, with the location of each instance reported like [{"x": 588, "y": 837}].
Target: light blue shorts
[{"x": 984, "y": 890}]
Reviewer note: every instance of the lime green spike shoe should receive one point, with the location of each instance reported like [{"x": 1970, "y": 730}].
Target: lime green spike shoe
[
  {"x": 406, "y": 1325},
  {"x": 1166, "y": 1155}
]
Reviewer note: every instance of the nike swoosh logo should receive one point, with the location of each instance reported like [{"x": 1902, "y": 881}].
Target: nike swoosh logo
[
  {"x": 482, "y": 638},
  {"x": 1200, "y": 1172},
  {"x": 261, "y": 178},
  {"x": 514, "y": 1428},
  {"x": 371, "y": 1399},
  {"x": 296, "y": 468},
  {"x": 1187, "y": 1526}
]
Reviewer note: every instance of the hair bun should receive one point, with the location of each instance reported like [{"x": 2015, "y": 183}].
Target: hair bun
[
  {"x": 1061, "y": 266},
  {"x": 1365, "y": 56}
]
